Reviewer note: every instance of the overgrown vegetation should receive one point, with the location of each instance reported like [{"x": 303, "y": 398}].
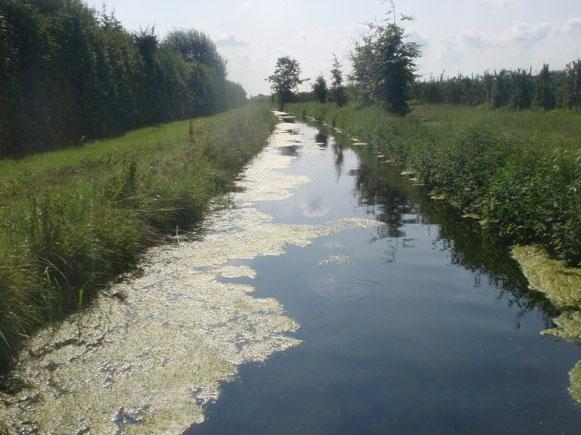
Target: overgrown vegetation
[
  {"x": 70, "y": 74},
  {"x": 72, "y": 220},
  {"x": 520, "y": 172}
]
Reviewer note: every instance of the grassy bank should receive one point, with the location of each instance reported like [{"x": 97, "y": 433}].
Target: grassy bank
[
  {"x": 519, "y": 172},
  {"x": 72, "y": 220}
]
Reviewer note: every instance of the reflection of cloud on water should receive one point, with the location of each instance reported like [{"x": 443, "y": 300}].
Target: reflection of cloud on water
[{"x": 314, "y": 208}]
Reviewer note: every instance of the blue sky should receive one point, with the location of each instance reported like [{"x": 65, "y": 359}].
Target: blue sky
[{"x": 465, "y": 36}]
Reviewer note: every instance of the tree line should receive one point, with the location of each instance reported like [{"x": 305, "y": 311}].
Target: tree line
[
  {"x": 517, "y": 89},
  {"x": 384, "y": 71},
  {"x": 70, "y": 73}
]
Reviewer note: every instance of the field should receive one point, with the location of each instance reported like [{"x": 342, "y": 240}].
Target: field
[
  {"x": 519, "y": 173},
  {"x": 73, "y": 220}
]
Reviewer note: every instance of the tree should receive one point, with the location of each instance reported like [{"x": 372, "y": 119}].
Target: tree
[
  {"x": 320, "y": 90},
  {"x": 194, "y": 46},
  {"x": 338, "y": 93},
  {"x": 573, "y": 85},
  {"x": 69, "y": 73},
  {"x": 522, "y": 89},
  {"x": 384, "y": 65},
  {"x": 501, "y": 91},
  {"x": 545, "y": 91},
  {"x": 286, "y": 79}
]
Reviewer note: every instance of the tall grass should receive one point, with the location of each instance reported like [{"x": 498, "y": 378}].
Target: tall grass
[
  {"x": 520, "y": 172},
  {"x": 72, "y": 220}
]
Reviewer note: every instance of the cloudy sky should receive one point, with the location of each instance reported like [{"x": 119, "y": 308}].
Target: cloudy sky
[{"x": 465, "y": 36}]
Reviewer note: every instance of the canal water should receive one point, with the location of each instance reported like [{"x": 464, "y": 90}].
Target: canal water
[
  {"x": 422, "y": 325},
  {"x": 326, "y": 295}
]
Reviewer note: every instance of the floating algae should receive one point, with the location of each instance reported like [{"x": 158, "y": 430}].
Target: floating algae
[
  {"x": 335, "y": 245},
  {"x": 575, "y": 377},
  {"x": 561, "y": 284},
  {"x": 568, "y": 326},
  {"x": 335, "y": 259},
  {"x": 152, "y": 362}
]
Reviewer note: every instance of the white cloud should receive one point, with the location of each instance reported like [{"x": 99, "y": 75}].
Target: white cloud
[
  {"x": 230, "y": 40},
  {"x": 572, "y": 26},
  {"x": 525, "y": 33},
  {"x": 476, "y": 39},
  {"x": 498, "y": 4},
  {"x": 451, "y": 54},
  {"x": 419, "y": 38}
]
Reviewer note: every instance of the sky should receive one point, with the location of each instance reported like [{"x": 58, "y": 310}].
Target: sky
[{"x": 458, "y": 36}]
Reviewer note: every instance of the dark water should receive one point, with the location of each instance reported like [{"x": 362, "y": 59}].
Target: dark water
[{"x": 427, "y": 329}]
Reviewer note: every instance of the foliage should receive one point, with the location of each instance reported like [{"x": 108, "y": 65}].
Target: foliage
[
  {"x": 320, "y": 90},
  {"x": 286, "y": 79},
  {"x": 70, "y": 74},
  {"x": 545, "y": 91},
  {"x": 194, "y": 46},
  {"x": 511, "y": 89},
  {"x": 519, "y": 172},
  {"x": 74, "y": 219},
  {"x": 338, "y": 93},
  {"x": 572, "y": 85},
  {"x": 384, "y": 66}
]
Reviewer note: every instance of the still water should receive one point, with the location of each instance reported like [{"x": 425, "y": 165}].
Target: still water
[
  {"x": 422, "y": 325},
  {"x": 326, "y": 295}
]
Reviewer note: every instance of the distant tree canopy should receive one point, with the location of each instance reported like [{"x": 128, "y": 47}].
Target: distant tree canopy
[
  {"x": 320, "y": 90},
  {"x": 518, "y": 89},
  {"x": 285, "y": 80},
  {"x": 545, "y": 97},
  {"x": 384, "y": 66},
  {"x": 69, "y": 73}
]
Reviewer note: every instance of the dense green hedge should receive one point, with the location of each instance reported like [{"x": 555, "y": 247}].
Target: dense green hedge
[
  {"x": 69, "y": 74},
  {"x": 525, "y": 193}
]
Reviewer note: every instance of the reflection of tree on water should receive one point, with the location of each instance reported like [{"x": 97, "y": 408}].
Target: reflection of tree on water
[
  {"x": 290, "y": 150},
  {"x": 396, "y": 202},
  {"x": 322, "y": 139},
  {"x": 390, "y": 205},
  {"x": 338, "y": 149}
]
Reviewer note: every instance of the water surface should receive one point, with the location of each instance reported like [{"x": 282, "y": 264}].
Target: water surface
[
  {"x": 328, "y": 296},
  {"x": 422, "y": 325}
]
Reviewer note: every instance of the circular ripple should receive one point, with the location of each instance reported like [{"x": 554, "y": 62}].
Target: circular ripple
[{"x": 346, "y": 290}]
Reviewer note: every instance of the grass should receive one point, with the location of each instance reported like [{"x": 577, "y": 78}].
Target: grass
[
  {"x": 73, "y": 220},
  {"x": 519, "y": 172}
]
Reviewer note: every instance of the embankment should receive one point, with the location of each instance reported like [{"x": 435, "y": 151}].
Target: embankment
[{"x": 73, "y": 220}]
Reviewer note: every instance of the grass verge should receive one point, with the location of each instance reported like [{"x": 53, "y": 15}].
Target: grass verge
[{"x": 73, "y": 220}]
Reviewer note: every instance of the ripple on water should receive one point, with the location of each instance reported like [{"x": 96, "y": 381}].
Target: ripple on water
[{"x": 346, "y": 290}]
